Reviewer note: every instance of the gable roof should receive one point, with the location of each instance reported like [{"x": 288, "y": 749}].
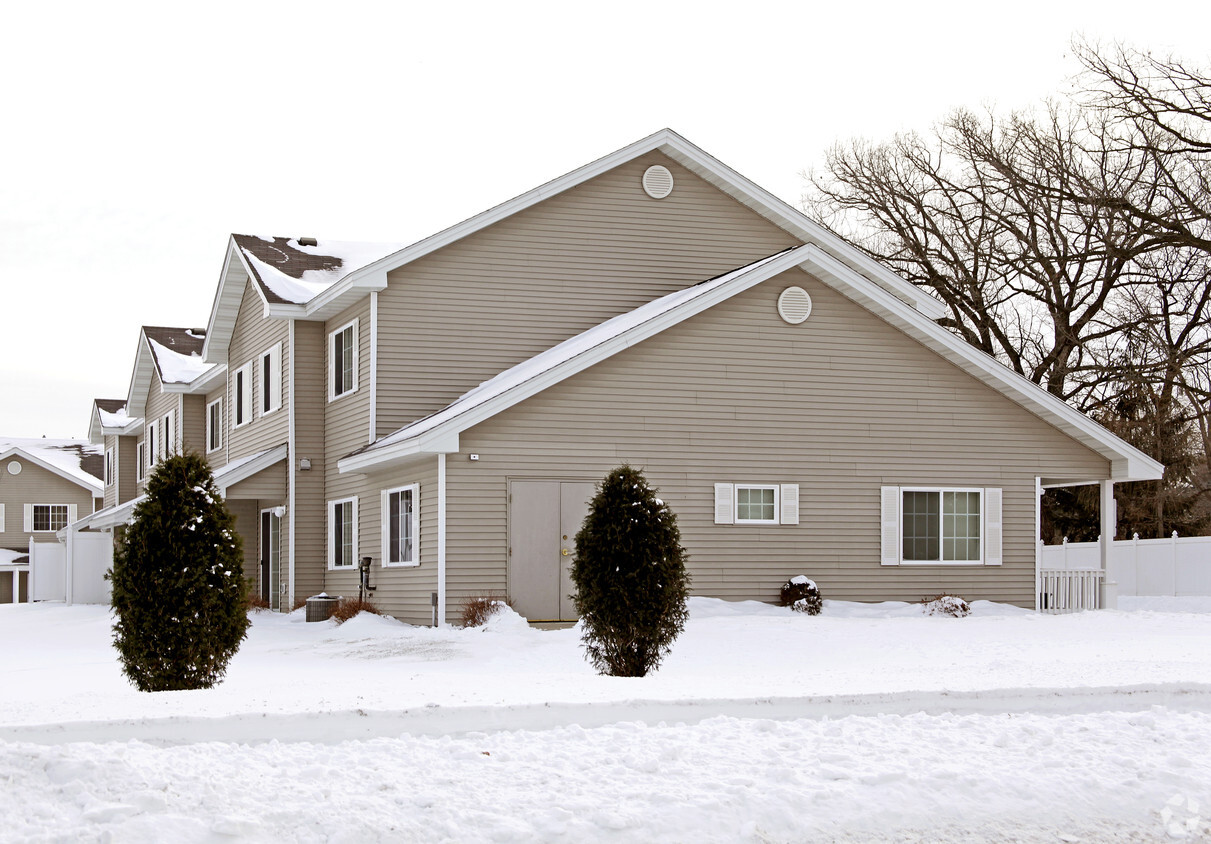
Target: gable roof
[
  {"x": 355, "y": 282},
  {"x": 78, "y": 461},
  {"x": 175, "y": 356},
  {"x": 109, "y": 417},
  {"x": 438, "y": 433}
]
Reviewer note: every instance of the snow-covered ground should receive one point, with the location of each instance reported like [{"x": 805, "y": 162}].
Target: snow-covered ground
[{"x": 867, "y": 723}]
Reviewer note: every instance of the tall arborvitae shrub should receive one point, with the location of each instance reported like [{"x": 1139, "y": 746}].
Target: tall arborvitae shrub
[
  {"x": 179, "y": 591},
  {"x": 630, "y": 577}
]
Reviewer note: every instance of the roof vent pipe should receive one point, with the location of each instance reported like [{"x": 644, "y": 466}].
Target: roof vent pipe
[{"x": 308, "y": 241}]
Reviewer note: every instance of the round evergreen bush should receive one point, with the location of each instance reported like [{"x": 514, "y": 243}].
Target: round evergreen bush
[
  {"x": 630, "y": 577},
  {"x": 179, "y": 591},
  {"x": 802, "y": 595}
]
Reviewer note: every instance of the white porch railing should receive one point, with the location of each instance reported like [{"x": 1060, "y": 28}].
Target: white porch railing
[{"x": 1064, "y": 591}]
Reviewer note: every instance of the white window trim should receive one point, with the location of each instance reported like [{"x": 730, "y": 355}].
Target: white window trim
[
  {"x": 246, "y": 371},
  {"x": 168, "y": 443},
  {"x": 331, "y": 544},
  {"x": 1, "y": 517},
  {"x": 151, "y": 440},
  {"x": 941, "y": 490},
  {"x": 109, "y": 468},
  {"x": 332, "y": 335},
  {"x": 385, "y": 499},
  {"x": 271, "y": 389},
  {"x": 217, "y": 417},
  {"x": 736, "y": 503},
  {"x": 30, "y": 512},
  {"x": 141, "y": 460}
]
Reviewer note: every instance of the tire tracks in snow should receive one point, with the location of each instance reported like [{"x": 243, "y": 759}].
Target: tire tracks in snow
[{"x": 333, "y": 726}]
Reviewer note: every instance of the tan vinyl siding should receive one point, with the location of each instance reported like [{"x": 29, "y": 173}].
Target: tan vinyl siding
[
  {"x": 193, "y": 424},
  {"x": 123, "y": 487},
  {"x": 840, "y": 405},
  {"x": 308, "y": 515},
  {"x": 459, "y": 316},
  {"x": 254, "y": 335},
  {"x": 247, "y": 515},
  {"x": 35, "y": 485},
  {"x": 400, "y": 591}
]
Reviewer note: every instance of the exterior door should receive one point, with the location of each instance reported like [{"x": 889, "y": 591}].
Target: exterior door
[
  {"x": 544, "y": 517},
  {"x": 271, "y": 557}
]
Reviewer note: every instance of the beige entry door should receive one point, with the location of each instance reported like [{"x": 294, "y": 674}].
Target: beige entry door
[{"x": 544, "y": 517}]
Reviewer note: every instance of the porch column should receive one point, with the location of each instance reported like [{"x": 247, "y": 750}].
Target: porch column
[
  {"x": 16, "y": 586},
  {"x": 1107, "y": 591}
]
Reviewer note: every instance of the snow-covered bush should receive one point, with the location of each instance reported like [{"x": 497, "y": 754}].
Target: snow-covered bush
[
  {"x": 802, "y": 595},
  {"x": 945, "y": 604},
  {"x": 477, "y": 610},
  {"x": 179, "y": 592},
  {"x": 630, "y": 577}
]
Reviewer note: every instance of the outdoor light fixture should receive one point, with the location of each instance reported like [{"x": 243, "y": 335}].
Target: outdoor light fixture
[{"x": 279, "y": 511}]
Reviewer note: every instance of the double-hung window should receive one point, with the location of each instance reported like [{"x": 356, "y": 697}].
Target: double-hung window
[
  {"x": 214, "y": 425},
  {"x": 151, "y": 440},
  {"x": 241, "y": 396},
  {"x": 401, "y": 523},
  {"x": 342, "y": 361},
  {"x": 109, "y": 467},
  {"x": 271, "y": 379},
  {"x": 168, "y": 441},
  {"x": 141, "y": 459},
  {"x": 342, "y": 533},
  {"x": 941, "y": 526}
]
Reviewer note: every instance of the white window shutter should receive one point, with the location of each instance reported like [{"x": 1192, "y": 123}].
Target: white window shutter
[
  {"x": 1, "y": 518},
  {"x": 993, "y": 526},
  {"x": 724, "y": 498},
  {"x": 275, "y": 377},
  {"x": 789, "y": 495},
  {"x": 416, "y": 526},
  {"x": 71, "y": 513},
  {"x": 384, "y": 530},
  {"x": 29, "y": 518},
  {"x": 889, "y": 521}
]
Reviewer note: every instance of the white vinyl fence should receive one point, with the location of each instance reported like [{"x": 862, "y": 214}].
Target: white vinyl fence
[
  {"x": 75, "y": 572},
  {"x": 1175, "y": 567}
]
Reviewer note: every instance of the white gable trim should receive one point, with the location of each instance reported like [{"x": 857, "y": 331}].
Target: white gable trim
[{"x": 98, "y": 487}]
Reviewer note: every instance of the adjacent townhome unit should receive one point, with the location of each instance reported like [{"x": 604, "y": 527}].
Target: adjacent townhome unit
[{"x": 44, "y": 486}]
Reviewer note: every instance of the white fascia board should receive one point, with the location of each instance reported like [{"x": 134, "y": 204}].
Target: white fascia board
[
  {"x": 110, "y": 517},
  {"x": 371, "y": 278},
  {"x": 131, "y": 428},
  {"x": 569, "y": 367},
  {"x": 201, "y": 384},
  {"x": 1127, "y": 462},
  {"x": 226, "y": 305},
  {"x": 429, "y": 444},
  {"x": 98, "y": 487},
  {"x": 248, "y": 468},
  {"x": 140, "y": 378},
  {"x": 786, "y": 217}
]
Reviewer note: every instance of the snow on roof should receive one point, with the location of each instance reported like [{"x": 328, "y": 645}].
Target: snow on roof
[
  {"x": 114, "y": 419},
  {"x": 565, "y": 351},
  {"x": 291, "y": 272},
  {"x": 177, "y": 365},
  {"x": 9, "y": 556},
  {"x": 79, "y": 459}
]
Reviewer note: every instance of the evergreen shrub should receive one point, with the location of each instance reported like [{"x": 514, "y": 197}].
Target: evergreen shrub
[
  {"x": 802, "y": 595},
  {"x": 179, "y": 592},
  {"x": 630, "y": 577}
]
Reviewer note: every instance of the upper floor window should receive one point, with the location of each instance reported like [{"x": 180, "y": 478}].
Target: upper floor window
[
  {"x": 342, "y": 361},
  {"x": 109, "y": 467},
  {"x": 151, "y": 441},
  {"x": 271, "y": 379},
  {"x": 141, "y": 460},
  {"x": 168, "y": 443},
  {"x": 214, "y": 425},
  {"x": 241, "y": 396}
]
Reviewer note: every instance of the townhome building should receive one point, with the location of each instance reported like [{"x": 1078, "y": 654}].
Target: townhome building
[{"x": 443, "y": 410}]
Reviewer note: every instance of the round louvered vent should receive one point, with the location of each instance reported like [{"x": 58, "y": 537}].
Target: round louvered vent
[
  {"x": 657, "y": 181},
  {"x": 14, "y": 467},
  {"x": 794, "y": 305}
]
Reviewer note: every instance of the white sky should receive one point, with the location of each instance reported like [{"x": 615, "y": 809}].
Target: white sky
[{"x": 137, "y": 136}]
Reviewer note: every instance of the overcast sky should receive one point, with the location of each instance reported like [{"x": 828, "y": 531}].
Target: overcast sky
[{"x": 136, "y": 136}]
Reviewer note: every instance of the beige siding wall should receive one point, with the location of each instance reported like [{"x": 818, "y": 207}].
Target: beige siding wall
[
  {"x": 247, "y": 514},
  {"x": 35, "y": 485},
  {"x": 193, "y": 424},
  {"x": 840, "y": 405},
  {"x": 253, "y": 336},
  {"x": 468, "y": 311},
  {"x": 401, "y": 591},
  {"x": 308, "y": 511}
]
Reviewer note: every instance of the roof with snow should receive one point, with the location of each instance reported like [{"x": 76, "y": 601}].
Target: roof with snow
[
  {"x": 177, "y": 352},
  {"x": 438, "y": 433},
  {"x": 109, "y": 416},
  {"x": 292, "y": 271},
  {"x": 78, "y": 461}
]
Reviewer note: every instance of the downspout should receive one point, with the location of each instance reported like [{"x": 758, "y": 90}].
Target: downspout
[
  {"x": 441, "y": 540},
  {"x": 291, "y": 467},
  {"x": 373, "y": 365},
  {"x": 1038, "y": 542}
]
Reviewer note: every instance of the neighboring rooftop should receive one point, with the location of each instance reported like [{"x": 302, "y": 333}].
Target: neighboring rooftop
[
  {"x": 177, "y": 353},
  {"x": 79, "y": 460},
  {"x": 295, "y": 270}
]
